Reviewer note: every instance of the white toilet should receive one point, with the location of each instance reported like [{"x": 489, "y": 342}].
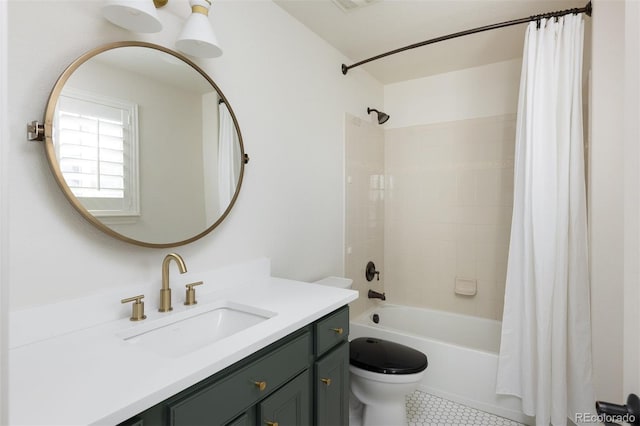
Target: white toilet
[{"x": 383, "y": 373}]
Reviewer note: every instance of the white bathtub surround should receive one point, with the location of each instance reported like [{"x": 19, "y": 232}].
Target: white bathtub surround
[
  {"x": 56, "y": 370},
  {"x": 448, "y": 206},
  {"x": 545, "y": 355},
  {"x": 462, "y": 351},
  {"x": 364, "y": 207}
]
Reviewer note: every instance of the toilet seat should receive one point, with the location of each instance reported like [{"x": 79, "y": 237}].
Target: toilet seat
[
  {"x": 385, "y": 357},
  {"x": 389, "y": 379}
]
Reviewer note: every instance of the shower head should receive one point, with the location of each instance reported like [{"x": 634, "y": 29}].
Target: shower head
[{"x": 382, "y": 117}]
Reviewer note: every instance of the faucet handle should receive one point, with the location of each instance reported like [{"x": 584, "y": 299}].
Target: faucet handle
[
  {"x": 190, "y": 298},
  {"x": 137, "y": 309}
]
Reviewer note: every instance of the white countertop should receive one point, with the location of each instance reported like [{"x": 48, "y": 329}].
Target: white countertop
[{"x": 92, "y": 376}]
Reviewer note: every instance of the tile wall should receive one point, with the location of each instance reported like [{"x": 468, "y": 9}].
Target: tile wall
[
  {"x": 364, "y": 206},
  {"x": 449, "y": 197}
]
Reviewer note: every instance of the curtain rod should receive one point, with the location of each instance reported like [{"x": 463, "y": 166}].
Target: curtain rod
[{"x": 588, "y": 9}]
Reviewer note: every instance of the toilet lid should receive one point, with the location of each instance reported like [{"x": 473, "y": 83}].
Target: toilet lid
[{"x": 382, "y": 356}]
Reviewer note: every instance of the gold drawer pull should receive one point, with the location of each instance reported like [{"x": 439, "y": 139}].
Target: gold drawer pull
[
  {"x": 326, "y": 381},
  {"x": 338, "y": 330},
  {"x": 262, "y": 385},
  {"x": 271, "y": 423}
]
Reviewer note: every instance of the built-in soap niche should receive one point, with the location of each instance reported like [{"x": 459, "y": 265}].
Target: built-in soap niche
[{"x": 466, "y": 287}]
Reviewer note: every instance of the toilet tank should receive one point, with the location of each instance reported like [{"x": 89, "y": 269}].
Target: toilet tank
[{"x": 335, "y": 282}]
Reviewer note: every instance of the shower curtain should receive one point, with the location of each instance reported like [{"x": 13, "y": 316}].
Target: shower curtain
[
  {"x": 545, "y": 352},
  {"x": 227, "y": 157}
]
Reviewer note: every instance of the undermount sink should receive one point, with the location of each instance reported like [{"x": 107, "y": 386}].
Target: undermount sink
[{"x": 185, "y": 332}]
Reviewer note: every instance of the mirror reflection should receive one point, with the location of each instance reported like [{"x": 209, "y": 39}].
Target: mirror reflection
[{"x": 144, "y": 143}]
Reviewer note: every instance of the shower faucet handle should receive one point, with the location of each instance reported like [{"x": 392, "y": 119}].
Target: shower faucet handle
[{"x": 370, "y": 272}]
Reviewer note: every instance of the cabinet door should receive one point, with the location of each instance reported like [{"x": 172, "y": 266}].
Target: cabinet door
[
  {"x": 288, "y": 406},
  {"x": 247, "y": 419},
  {"x": 332, "y": 387}
]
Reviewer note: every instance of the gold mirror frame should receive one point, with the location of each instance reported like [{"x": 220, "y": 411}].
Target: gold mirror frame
[{"x": 57, "y": 173}]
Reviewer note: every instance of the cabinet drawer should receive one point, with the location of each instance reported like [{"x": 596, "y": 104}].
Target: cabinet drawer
[
  {"x": 332, "y": 330},
  {"x": 233, "y": 394}
]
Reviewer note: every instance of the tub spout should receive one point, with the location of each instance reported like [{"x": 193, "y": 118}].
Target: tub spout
[{"x": 375, "y": 295}]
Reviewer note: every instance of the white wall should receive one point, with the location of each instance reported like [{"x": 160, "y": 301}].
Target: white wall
[
  {"x": 4, "y": 229},
  {"x": 606, "y": 199},
  {"x": 290, "y": 98},
  {"x": 477, "y": 92},
  {"x": 631, "y": 342}
]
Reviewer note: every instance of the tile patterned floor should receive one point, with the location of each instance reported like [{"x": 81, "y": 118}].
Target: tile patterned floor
[{"x": 424, "y": 409}]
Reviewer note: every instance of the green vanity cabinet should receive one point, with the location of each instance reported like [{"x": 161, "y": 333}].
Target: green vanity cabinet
[
  {"x": 331, "y": 330},
  {"x": 331, "y": 369},
  {"x": 222, "y": 400},
  {"x": 290, "y": 406},
  {"x": 332, "y": 387},
  {"x": 246, "y": 419},
  {"x": 300, "y": 380}
]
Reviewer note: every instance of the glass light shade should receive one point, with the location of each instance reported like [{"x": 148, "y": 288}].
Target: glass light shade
[
  {"x": 197, "y": 37},
  {"x": 139, "y": 16}
]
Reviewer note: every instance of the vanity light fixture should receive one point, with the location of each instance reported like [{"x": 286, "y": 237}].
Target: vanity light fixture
[
  {"x": 196, "y": 39},
  {"x": 134, "y": 15}
]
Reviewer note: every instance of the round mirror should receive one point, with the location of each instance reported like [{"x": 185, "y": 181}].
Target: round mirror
[{"x": 144, "y": 144}]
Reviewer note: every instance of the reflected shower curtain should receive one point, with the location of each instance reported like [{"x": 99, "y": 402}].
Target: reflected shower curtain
[
  {"x": 545, "y": 352},
  {"x": 227, "y": 157}
]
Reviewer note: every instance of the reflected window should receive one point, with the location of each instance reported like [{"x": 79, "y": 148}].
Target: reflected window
[{"x": 98, "y": 150}]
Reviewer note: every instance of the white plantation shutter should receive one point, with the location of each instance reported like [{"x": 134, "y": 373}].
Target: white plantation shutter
[{"x": 97, "y": 145}]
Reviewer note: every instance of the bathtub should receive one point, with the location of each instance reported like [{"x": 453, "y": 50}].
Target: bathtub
[{"x": 462, "y": 352}]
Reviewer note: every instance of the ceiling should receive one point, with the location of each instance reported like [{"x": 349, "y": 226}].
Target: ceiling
[{"x": 384, "y": 25}]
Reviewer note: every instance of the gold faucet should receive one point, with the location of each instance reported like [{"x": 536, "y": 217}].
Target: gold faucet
[{"x": 165, "y": 292}]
